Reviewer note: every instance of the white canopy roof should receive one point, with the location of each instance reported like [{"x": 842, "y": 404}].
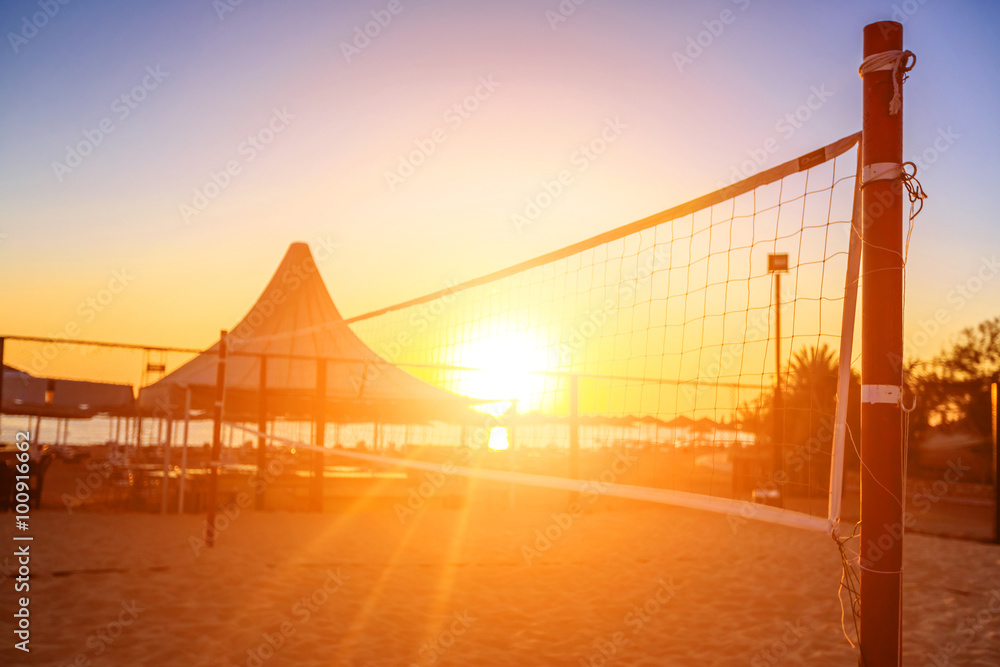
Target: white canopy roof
[{"x": 294, "y": 321}]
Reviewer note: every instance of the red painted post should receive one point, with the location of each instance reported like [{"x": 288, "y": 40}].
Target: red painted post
[
  {"x": 881, "y": 358},
  {"x": 995, "y": 423},
  {"x": 213, "y": 464},
  {"x": 2, "y": 340}
]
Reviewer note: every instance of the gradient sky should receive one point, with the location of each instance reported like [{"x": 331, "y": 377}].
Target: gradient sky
[{"x": 322, "y": 178}]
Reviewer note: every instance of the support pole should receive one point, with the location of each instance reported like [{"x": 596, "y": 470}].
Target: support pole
[
  {"x": 846, "y": 355},
  {"x": 166, "y": 465},
  {"x": 994, "y": 391},
  {"x": 316, "y": 490},
  {"x": 213, "y": 464},
  {"x": 882, "y": 523},
  {"x": 574, "y": 431},
  {"x": 779, "y": 397},
  {"x": 512, "y": 449},
  {"x": 184, "y": 449},
  {"x": 138, "y": 435},
  {"x": 2, "y": 340},
  {"x": 262, "y": 428}
]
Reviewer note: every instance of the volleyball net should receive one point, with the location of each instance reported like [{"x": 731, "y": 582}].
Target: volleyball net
[
  {"x": 711, "y": 343},
  {"x": 662, "y": 338}
]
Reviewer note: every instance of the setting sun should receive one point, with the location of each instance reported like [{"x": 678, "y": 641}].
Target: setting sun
[
  {"x": 507, "y": 366},
  {"x": 498, "y": 438}
]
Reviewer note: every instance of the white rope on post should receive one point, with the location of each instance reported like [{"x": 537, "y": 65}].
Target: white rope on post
[{"x": 891, "y": 60}]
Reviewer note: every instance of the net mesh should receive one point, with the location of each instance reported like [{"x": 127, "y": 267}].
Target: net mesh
[{"x": 659, "y": 338}]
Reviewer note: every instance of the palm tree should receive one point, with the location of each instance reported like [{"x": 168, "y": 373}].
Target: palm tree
[
  {"x": 813, "y": 378},
  {"x": 809, "y": 409},
  {"x": 810, "y": 402}
]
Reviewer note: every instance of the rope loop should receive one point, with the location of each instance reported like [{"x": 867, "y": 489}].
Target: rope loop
[
  {"x": 917, "y": 196},
  {"x": 900, "y": 62},
  {"x": 913, "y": 186}
]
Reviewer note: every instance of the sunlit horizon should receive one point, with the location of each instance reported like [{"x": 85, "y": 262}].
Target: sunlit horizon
[{"x": 322, "y": 178}]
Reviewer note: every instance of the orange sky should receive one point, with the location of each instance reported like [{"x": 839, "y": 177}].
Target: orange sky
[{"x": 338, "y": 127}]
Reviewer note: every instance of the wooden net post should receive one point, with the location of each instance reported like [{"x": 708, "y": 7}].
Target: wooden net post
[{"x": 881, "y": 558}]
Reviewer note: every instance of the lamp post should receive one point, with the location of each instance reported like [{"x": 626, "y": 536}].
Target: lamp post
[{"x": 776, "y": 265}]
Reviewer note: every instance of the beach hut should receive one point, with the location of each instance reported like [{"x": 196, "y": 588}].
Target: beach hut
[
  {"x": 30, "y": 396},
  {"x": 33, "y": 396}
]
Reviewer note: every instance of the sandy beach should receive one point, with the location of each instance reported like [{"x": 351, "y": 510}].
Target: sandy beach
[{"x": 624, "y": 584}]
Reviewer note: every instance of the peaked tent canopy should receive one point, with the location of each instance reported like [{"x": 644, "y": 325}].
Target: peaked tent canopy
[{"x": 293, "y": 322}]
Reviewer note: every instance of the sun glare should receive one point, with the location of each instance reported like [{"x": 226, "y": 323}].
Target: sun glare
[
  {"x": 505, "y": 362},
  {"x": 498, "y": 438}
]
